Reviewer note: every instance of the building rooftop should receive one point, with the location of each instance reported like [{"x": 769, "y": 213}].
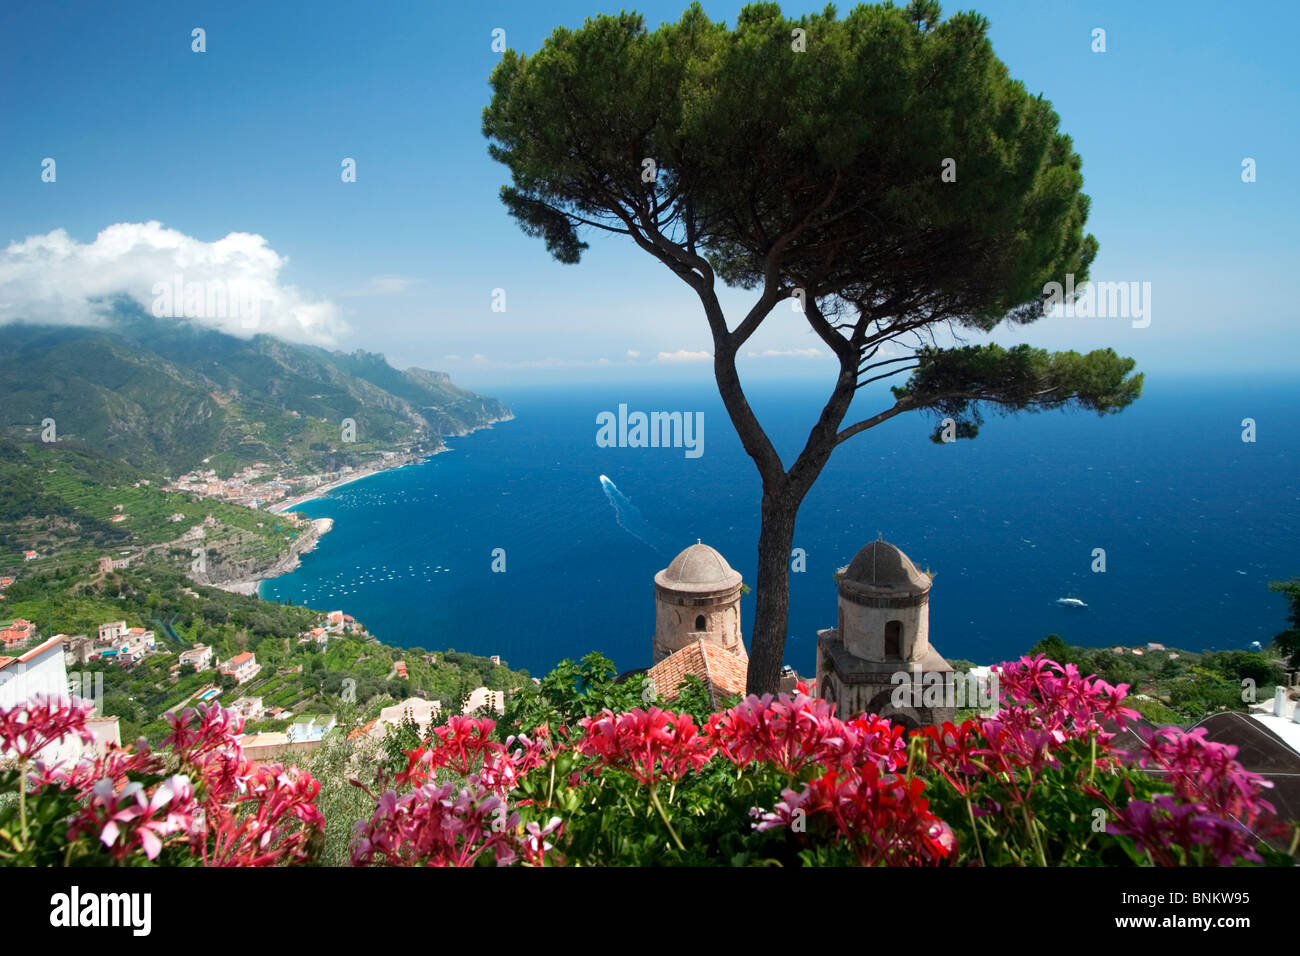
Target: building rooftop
[
  {"x": 34, "y": 652},
  {"x": 1266, "y": 745},
  {"x": 722, "y": 672},
  {"x": 699, "y": 567},
  {"x": 881, "y": 566}
]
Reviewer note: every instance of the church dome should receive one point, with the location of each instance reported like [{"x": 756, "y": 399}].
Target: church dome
[
  {"x": 881, "y": 567},
  {"x": 698, "y": 568}
]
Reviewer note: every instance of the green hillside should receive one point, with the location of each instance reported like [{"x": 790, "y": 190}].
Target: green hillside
[
  {"x": 163, "y": 395},
  {"x": 60, "y": 500}
]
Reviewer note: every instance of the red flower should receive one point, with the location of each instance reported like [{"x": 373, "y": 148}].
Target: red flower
[
  {"x": 648, "y": 744},
  {"x": 790, "y": 732},
  {"x": 269, "y": 824},
  {"x": 29, "y": 727},
  {"x": 884, "y": 818}
]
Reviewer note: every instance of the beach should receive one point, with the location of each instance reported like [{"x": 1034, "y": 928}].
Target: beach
[
  {"x": 374, "y": 468},
  {"x": 320, "y": 491}
]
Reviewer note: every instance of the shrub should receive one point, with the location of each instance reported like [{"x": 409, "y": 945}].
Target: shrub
[
  {"x": 196, "y": 801},
  {"x": 770, "y": 780},
  {"x": 783, "y": 780}
]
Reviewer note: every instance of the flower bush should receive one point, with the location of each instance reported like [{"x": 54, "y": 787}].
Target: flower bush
[
  {"x": 197, "y": 801},
  {"x": 781, "y": 779},
  {"x": 771, "y": 780},
  {"x": 1042, "y": 782}
]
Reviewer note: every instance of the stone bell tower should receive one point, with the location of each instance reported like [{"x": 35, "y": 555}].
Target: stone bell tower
[
  {"x": 697, "y": 597},
  {"x": 879, "y": 660}
]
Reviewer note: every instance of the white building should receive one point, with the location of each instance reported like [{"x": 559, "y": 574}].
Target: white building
[
  {"x": 40, "y": 670},
  {"x": 199, "y": 657},
  {"x": 482, "y": 697},
  {"x": 423, "y": 712},
  {"x": 242, "y": 667},
  {"x": 250, "y": 708}
]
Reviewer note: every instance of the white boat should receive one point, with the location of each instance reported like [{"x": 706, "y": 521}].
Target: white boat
[{"x": 1070, "y": 602}]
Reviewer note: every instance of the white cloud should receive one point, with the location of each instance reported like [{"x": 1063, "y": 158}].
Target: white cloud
[
  {"x": 633, "y": 353},
  {"x": 789, "y": 353},
  {"x": 56, "y": 279},
  {"x": 681, "y": 355}
]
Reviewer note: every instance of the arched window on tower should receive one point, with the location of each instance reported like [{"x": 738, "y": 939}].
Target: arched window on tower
[
  {"x": 699, "y": 622},
  {"x": 894, "y": 639}
]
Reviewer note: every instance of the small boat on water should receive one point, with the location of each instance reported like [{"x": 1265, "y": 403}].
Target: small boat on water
[{"x": 1070, "y": 602}]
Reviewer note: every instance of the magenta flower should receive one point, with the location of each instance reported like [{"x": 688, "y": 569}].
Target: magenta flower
[
  {"x": 648, "y": 744},
  {"x": 436, "y": 826},
  {"x": 133, "y": 817},
  {"x": 535, "y": 845},
  {"x": 29, "y": 727}
]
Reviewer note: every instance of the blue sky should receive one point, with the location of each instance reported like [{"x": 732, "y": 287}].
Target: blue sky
[{"x": 248, "y": 137}]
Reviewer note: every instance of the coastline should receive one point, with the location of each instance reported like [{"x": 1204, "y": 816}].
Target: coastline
[
  {"x": 400, "y": 461},
  {"x": 322, "y": 491},
  {"x": 290, "y": 562},
  {"x": 286, "y": 563}
]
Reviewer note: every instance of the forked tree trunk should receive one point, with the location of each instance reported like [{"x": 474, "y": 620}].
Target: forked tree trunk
[{"x": 783, "y": 493}]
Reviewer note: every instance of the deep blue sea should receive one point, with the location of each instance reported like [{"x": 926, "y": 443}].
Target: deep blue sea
[{"x": 1194, "y": 523}]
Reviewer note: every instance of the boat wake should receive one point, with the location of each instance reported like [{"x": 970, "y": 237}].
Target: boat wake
[{"x": 631, "y": 520}]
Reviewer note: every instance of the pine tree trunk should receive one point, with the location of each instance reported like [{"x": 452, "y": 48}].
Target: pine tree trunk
[
  {"x": 783, "y": 492},
  {"x": 772, "y": 605}
]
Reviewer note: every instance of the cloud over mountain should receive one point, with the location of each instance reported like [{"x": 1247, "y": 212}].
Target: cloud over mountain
[{"x": 232, "y": 284}]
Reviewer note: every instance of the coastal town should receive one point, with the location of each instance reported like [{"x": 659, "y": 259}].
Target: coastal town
[
  {"x": 260, "y": 486},
  {"x": 60, "y": 664}
]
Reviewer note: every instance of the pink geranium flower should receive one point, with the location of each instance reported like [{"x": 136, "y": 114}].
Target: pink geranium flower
[
  {"x": 648, "y": 744},
  {"x": 28, "y": 728}
]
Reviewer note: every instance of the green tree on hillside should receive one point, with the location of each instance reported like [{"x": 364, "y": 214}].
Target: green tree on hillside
[
  {"x": 1288, "y": 642},
  {"x": 883, "y": 171}
]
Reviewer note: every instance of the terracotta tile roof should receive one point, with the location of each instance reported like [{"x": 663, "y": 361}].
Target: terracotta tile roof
[
  {"x": 362, "y": 731},
  {"x": 722, "y": 672},
  {"x": 38, "y": 649}
]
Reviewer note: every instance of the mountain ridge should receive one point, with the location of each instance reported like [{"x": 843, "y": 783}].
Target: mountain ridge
[{"x": 167, "y": 396}]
